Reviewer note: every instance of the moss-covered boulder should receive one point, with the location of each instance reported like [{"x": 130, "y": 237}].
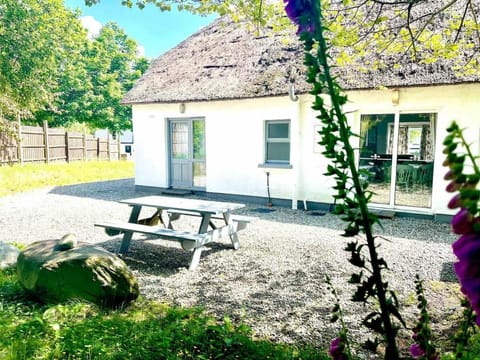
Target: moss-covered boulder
[{"x": 59, "y": 270}]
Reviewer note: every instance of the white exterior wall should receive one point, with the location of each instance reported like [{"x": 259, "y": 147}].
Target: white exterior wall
[{"x": 235, "y": 139}]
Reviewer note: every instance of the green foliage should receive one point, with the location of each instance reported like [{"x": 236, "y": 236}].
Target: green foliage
[
  {"x": 112, "y": 66},
  {"x": 144, "y": 330},
  {"x": 50, "y": 70},
  {"x": 27, "y": 177},
  {"x": 37, "y": 39},
  {"x": 416, "y": 30},
  {"x": 422, "y": 331}
]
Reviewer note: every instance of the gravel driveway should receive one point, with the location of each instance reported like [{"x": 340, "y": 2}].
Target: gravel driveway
[{"x": 275, "y": 282}]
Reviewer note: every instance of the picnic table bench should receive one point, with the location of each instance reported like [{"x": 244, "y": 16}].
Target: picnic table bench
[{"x": 169, "y": 209}]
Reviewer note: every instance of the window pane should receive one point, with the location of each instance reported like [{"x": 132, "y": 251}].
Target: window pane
[
  {"x": 198, "y": 139},
  {"x": 180, "y": 141},
  {"x": 199, "y": 174},
  {"x": 278, "y": 152},
  {"x": 278, "y": 131}
]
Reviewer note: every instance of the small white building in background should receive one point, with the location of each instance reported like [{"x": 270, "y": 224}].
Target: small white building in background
[
  {"x": 126, "y": 141},
  {"x": 228, "y": 113}
]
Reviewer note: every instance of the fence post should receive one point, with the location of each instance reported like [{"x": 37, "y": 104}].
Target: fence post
[
  {"x": 45, "y": 136},
  {"x": 85, "y": 144},
  {"x": 67, "y": 147},
  {"x": 98, "y": 148},
  {"x": 19, "y": 142},
  {"x": 118, "y": 147},
  {"x": 109, "y": 156}
]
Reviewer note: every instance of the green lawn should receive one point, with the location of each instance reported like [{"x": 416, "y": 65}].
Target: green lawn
[
  {"x": 144, "y": 330},
  {"x": 26, "y": 177}
]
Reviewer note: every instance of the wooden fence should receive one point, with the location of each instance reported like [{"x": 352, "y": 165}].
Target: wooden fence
[{"x": 44, "y": 144}]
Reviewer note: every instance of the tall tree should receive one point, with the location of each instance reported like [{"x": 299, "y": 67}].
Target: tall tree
[
  {"x": 37, "y": 39},
  {"x": 91, "y": 88},
  {"x": 112, "y": 64}
]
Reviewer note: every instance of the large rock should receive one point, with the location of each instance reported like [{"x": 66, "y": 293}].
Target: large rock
[
  {"x": 58, "y": 270},
  {"x": 8, "y": 255}
]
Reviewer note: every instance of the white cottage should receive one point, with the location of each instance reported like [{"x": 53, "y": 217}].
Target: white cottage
[{"x": 228, "y": 113}]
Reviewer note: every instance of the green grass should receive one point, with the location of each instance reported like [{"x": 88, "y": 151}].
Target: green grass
[
  {"x": 18, "y": 178},
  {"x": 143, "y": 330}
]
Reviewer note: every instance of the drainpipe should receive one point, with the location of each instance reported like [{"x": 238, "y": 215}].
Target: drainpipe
[{"x": 295, "y": 144}]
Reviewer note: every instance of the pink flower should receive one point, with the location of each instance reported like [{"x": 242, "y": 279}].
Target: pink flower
[
  {"x": 467, "y": 247},
  {"x": 462, "y": 222},
  {"x": 416, "y": 351},
  {"x": 455, "y": 202},
  {"x": 302, "y": 13},
  {"x": 449, "y": 175},
  {"x": 453, "y": 186},
  {"x": 336, "y": 350}
]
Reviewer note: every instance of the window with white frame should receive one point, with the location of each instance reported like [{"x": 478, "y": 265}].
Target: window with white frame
[{"x": 277, "y": 141}]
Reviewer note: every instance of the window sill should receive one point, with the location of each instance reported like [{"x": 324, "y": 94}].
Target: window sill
[{"x": 275, "y": 166}]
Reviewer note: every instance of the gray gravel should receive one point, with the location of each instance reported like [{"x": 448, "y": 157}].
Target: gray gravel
[{"x": 275, "y": 282}]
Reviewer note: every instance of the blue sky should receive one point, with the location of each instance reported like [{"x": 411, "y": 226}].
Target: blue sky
[{"x": 153, "y": 30}]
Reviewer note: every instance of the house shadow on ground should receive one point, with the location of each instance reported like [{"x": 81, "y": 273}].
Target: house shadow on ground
[{"x": 113, "y": 190}]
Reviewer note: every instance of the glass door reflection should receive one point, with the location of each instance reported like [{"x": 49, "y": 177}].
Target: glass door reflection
[
  {"x": 402, "y": 145},
  {"x": 375, "y": 163},
  {"x": 415, "y": 160}
]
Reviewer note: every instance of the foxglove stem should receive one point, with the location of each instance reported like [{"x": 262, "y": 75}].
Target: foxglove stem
[{"x": 391, "y": 352}]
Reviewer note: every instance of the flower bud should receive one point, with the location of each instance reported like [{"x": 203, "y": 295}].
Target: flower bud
[
  {"x": 449, "y": 175},
  {"x": 453, "y": 186},
  {"x": 453, "y": 127},
  {"x": 455, "y": 202}
]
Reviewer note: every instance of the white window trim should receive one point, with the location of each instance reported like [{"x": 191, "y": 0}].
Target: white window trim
[{"x": 276, "y": 163}]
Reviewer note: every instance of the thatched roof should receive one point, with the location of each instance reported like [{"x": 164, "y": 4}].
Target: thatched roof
[{"x": 224, "y": 60}]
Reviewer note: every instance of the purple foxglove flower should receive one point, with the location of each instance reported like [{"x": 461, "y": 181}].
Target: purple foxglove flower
[
  {"x": 416, "y": 351},
  {"x": 449, "y": 175},
  {"x": 453, "y": 186},
  {"x": 336, "y": 350},
  {"x": 302, "y": 13},
  {"x": 462, "y": 222},
  {"x": 467, "y": 247},
  {"x": 455, "y": 202}
]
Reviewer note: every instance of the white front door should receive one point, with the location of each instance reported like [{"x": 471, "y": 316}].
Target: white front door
[{"x": 187, "y": 153}]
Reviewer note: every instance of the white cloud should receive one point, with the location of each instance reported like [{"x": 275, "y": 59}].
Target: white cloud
[
  {"x": 92, "y": 25},
  {"x": 140, "y": 50}
]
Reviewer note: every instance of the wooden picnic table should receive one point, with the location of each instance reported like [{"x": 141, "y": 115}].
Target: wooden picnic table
[{"x": 169, "y": 209}]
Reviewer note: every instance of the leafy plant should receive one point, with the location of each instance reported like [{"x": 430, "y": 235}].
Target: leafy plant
[{"x": 144, "y": 330}]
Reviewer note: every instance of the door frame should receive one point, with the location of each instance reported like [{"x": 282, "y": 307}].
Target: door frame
[
  {"x": 396, "y": 127},
  {"x": 190, "y": 159}
]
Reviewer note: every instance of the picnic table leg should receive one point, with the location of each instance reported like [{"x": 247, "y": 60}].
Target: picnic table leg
[
  {"x": 235, "y": 241},
  {"x": 204, "y": 224},
  {"x": 232, "y": 231},
  {"x": 167, "y": 219},
  {"x": 195, "y": 258},
  {"x": 127, "y": 236}
]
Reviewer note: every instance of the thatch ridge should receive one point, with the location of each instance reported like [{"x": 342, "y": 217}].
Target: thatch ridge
[{"x": 225, "y": 60}]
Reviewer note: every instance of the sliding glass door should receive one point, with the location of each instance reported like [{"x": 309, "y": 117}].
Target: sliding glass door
[{"x": 397, "y": 157}]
